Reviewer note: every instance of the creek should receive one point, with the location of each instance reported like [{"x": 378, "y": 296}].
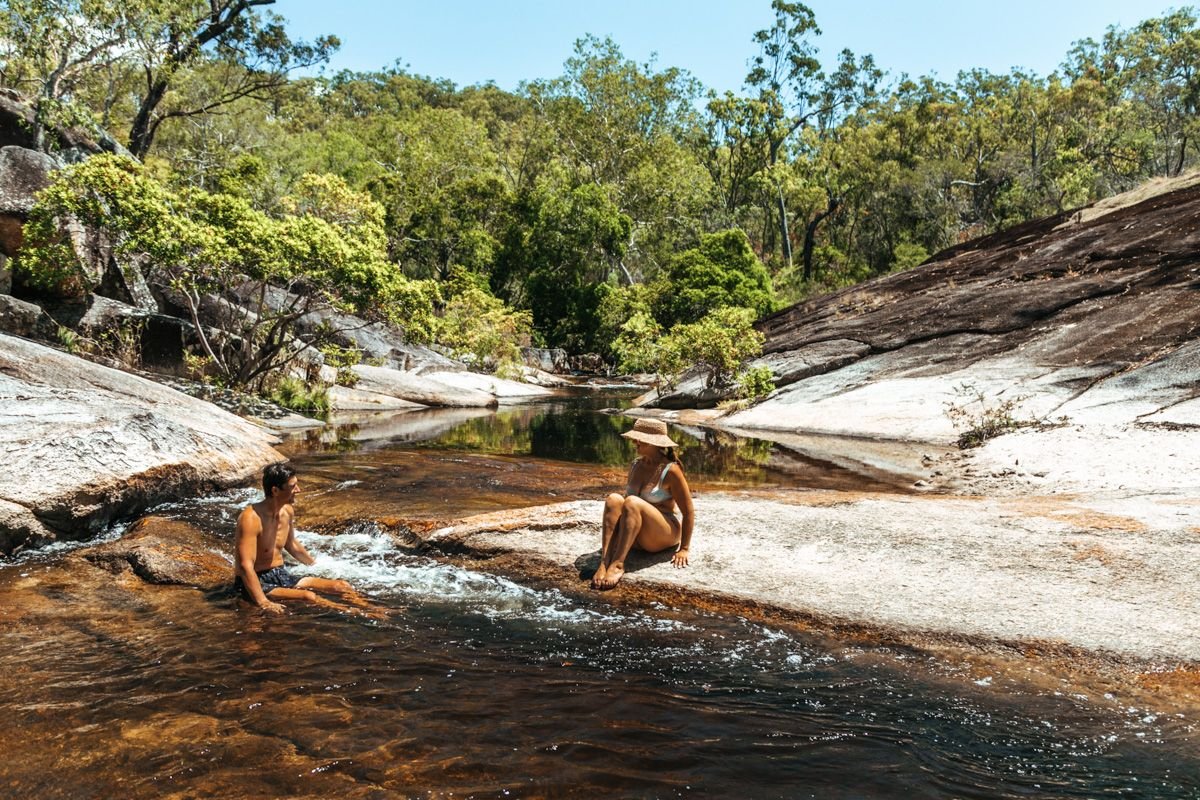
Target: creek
[{"x": 479, "y": 685}]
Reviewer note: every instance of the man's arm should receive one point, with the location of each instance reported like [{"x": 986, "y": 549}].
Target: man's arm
[
  {"x": 249, "y": 527},
  {"x": 292, "y": 545}
]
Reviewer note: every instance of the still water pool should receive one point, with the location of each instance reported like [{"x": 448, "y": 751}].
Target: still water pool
[{"x": 477, "y": 685}]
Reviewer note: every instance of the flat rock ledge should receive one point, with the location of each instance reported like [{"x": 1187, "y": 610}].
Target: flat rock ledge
[
  {"x": 1112, "y": 577},
  {"x": 84, "y": 445}
]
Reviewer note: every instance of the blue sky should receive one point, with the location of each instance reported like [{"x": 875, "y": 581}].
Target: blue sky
[{"x": 506, "y": 41}]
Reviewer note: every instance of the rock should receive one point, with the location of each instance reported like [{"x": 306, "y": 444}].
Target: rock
[
  {"x": 71, "y": 144},
  {"x": 1090, "y": 316},
  {"x": 5, "y": 274},
  {"x": 444, "y": 389},
  {"x": 25, "y": 319},
  {"x": 85, "y": 445},
  {"x": 23, "y": 173},
  {"x": 165, "y": 552},
  {"x": 343, "y": 398},
  {"x": 553, "y": 360}
]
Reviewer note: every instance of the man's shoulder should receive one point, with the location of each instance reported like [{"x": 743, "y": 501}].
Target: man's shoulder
[{"x": 250, "y": 517}]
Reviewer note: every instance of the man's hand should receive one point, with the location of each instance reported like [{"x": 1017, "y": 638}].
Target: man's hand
[
  {"x": 272, "y": 607},
  {"x": 680, "y": 559}
]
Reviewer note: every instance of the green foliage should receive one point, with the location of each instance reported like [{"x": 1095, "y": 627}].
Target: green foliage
[
  {"x": 756, "y": 383},
  {"x": 636, "y": 346},
  {"x": 293, "y": 393},
  {"x": 563, "y": 246},
  {"x": 721, "y": 271},
  {"x": 717, "y": 345},
  {"x": 343, "y": 359},
  {"x": 196, "y": 245},
  {"x": 479, "y": 329}
]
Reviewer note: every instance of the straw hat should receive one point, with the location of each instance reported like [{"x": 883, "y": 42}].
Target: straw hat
[{"x": 651, "y": 431}]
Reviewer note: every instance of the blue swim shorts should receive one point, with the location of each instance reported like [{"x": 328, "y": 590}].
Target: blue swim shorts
[{"x": 273, "y": 578}]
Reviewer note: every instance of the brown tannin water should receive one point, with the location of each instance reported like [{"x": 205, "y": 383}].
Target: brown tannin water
[{"x": 476, "y": 685}]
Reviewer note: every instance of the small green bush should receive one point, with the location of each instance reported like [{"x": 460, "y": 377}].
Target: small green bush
[
  {"x": 756, "y": 383},
  {"x": 977, "y": 419},
  {"x": 295, "y": 394}
]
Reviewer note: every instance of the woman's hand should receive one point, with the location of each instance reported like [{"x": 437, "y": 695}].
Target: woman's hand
[{"x": 680, "y": 559}]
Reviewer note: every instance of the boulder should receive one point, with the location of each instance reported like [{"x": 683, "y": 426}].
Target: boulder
[
  {"x": 23, "y": 173},
  {"x": 553, "y": 359},
  {"x": 85, "y": 445},
  {"x": 25, "y": 319},
  {"x": 427, "y": 389},
  {"x": 165, "y": 552}
]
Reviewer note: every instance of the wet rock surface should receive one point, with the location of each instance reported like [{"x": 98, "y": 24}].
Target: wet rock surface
[{"x": 165, "y": 552}]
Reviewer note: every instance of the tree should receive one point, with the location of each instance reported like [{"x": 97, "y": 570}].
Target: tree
[
  {"x": 53, "y": 48},
  {"x": 254, "y": 52},
  {"x": 721, "y": 271},
  {"x": 243, "y": 278}
]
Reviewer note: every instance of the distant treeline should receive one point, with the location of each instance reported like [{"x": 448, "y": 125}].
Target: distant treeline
[{"x": 619, "y": 188}]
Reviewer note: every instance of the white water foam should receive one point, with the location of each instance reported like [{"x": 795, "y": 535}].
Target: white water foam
[{"x": 377, "y": 565}]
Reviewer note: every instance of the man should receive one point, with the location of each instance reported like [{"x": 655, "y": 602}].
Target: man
[{"x": 264, "y": 531}]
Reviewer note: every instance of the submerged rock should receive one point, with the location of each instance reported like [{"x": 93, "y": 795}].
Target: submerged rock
[{"x": 165, "y": 552}]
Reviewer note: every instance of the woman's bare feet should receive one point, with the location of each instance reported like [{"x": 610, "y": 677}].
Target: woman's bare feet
[
  {"x": 598, "y": 576},
  {"x": 612, "y": 576}
]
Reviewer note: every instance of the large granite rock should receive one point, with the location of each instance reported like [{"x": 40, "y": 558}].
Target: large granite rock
[
  {"x": 1072, "y": 316},
  {"x": 443, "y": 389},
  {"x": 85, "y": 445}
]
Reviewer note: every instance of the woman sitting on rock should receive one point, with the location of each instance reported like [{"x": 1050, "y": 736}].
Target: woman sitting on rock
[{"x": 645, "y": 515}]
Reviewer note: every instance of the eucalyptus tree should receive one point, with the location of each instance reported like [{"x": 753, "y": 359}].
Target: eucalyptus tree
[
  {"x": 796, "y": 93},
  {"x": 52, "y": 50}
]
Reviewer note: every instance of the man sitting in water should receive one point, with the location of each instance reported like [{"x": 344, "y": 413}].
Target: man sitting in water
[{"x": 264, "y": 531}]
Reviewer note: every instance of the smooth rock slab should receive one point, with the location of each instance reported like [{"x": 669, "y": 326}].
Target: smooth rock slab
[
  {"x": 1115, "y": 575},
  {"x": 83, "y": 444}
]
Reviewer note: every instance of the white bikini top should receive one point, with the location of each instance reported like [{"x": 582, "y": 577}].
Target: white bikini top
[{"x": 659, "y": 494}]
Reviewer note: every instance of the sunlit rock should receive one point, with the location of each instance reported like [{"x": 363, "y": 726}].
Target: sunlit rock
[{"x": 85, "y": 444}]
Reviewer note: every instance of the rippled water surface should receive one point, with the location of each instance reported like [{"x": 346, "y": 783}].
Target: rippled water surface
[{"x": 472, "y": 684}]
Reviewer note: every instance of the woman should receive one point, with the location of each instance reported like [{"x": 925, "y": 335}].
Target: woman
[{"x": 644, "y": 516}]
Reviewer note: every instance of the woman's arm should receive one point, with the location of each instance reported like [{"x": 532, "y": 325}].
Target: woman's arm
[{"x": 682, "y": 494}]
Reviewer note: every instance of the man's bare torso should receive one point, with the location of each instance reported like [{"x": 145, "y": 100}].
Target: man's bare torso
[{"x": 269, "y": 548}]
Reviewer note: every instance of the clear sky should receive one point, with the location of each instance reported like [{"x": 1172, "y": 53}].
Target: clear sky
[{"x": 507, "y": 41}]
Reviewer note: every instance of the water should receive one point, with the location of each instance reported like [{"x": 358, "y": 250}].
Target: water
[{"x": 478, "y": 685}]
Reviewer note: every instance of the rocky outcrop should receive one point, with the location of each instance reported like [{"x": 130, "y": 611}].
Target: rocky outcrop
[
  {"x": 553, "y": 360},
  {"x": 441, "y": 389},
  {"x": 85, "y": 445},
  {"x": 165, "y": 552},
  {"x": 927, "y": 568},
  {"x": 1089, "y": 315},
  {"x": 25, "y": 319}
]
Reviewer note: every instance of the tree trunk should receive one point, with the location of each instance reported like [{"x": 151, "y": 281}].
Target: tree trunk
[
  {"x": 783, "y": 228},
  {"x": 141, "y": 134},
  {"x": 810, "y": 235}
]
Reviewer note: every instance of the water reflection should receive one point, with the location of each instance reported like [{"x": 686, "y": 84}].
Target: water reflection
[{"x": 588, "y": 431}]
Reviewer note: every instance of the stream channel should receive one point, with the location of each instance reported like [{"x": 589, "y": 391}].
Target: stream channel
[{"x": 480, "y": 685}]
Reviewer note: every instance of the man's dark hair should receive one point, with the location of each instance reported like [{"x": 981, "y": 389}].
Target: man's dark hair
[{"x": 276, "y": 475}]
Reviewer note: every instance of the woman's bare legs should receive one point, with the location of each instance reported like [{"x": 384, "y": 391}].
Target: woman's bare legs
[
  {"x": 641, "y": 524},
  {"x": 613, "y": 505}
]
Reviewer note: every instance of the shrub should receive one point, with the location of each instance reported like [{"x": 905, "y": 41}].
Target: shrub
[
  {"x": 977, "y": 419},
  {"x": 636, "y": 346},
  {"x": 718, "y": 345},
  {"x": 478, "y": 328},
  {"x": 756, "y": 383},
  {"x": 295, "y": 394}
]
